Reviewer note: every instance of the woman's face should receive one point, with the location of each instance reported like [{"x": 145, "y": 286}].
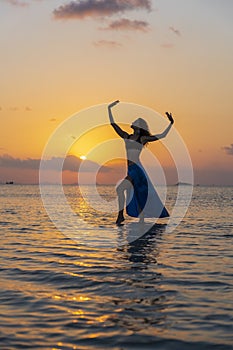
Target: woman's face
[
  {"x": 135, "y": 125},
  {"x": 135, "y": 129}
]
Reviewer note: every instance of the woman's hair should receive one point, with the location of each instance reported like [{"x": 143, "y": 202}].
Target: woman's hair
[{"x": 142, "y": 125}]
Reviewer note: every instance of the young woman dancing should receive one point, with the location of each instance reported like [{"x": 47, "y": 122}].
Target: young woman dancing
[{"x": 142, "y": 199}]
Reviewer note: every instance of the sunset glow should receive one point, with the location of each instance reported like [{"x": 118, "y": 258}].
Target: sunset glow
[{"x": 58, "y": 59}]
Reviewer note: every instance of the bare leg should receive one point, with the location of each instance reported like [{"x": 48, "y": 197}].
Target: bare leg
[
  {"x": 141, "y": 218},
  {"x": 125, "y": 185}
]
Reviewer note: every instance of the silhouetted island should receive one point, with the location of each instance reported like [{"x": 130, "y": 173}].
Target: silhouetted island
[{"x": 183, "y": 184}]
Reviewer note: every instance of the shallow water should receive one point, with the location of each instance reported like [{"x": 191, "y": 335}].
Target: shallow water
[{"x": 165, "y": 290}]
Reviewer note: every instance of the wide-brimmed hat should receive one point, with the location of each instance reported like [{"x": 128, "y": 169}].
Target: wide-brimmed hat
[{"x": 141, "y": 124}]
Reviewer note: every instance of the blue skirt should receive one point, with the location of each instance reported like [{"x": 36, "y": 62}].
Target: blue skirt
[{"x": 143, "y": 196}]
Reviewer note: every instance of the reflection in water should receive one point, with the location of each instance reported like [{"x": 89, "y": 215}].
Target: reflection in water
[
  {"x": 144, "y": 248},
  {"x": 141, "y": 248},
  {"x": 142, "y": 303}
]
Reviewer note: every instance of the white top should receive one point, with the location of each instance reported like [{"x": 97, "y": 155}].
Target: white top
[{"x": 133, "y": 150}]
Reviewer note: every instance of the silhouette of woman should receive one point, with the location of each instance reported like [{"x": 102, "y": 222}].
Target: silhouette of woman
[{"x": 142, "y": 199}]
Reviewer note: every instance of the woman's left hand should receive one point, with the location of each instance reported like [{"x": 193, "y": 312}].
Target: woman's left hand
[{"x": 169, "y": 115}]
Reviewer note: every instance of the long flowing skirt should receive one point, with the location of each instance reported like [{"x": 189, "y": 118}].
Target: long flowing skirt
[{"x": 143, "y": 196}]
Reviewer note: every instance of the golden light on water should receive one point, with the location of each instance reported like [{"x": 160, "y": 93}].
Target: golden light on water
[{"x": 67, "y": 297}]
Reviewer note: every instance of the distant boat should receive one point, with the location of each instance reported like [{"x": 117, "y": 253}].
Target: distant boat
[{"x": 9, "y": 182}]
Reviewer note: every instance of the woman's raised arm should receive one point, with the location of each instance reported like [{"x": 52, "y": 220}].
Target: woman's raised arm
[
  {"x": 152, "y": 138},
  {"x": 116, "y": 127}
]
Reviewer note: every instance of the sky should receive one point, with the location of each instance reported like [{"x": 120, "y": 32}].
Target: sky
[{"x": 59, "y": 57}]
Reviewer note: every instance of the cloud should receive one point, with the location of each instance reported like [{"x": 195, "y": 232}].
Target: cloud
[
  {"x": 28, "y": 109},
  {"x": 98, "y": 8},
  {"x": 71, "y": 163},
  {"x": 107, "y": 43},
  {"x": 175, "y": 31},
  {"x": 167, "y": 46},
  {"x": 229, "y": 149},
  {"x": 127, "y": 24},
  {"x": 7, "y": 161},
  {"x": 53, "y": 120},
  {"x": 19, "y": 3}
]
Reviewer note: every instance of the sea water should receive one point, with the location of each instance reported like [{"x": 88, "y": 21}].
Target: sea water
[{"x": 166, "y": 290}]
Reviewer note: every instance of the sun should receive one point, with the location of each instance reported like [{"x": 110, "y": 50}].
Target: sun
[{"x": 83, "y": 157}]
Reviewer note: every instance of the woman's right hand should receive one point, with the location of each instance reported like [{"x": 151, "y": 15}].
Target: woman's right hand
[{"x": 113, "y": 104}]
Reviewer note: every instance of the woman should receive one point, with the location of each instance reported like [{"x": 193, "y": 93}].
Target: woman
[{"x": 142, "y": 199}]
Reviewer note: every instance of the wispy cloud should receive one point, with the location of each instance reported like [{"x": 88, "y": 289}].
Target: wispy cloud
[
  {"x": 229, "y": 149},
  {"x": 52, "y": 119},
  {"x": 17, "y": 3},
  {"x": 98, "y": 8},
  {"x": 127, "y": 24},
  {"x": 107, "y": 43},
  {"x": 17, "y": 109},
  {"x": 167, "y": 46},
  {"x": 175, "y": 31},
  {"x": 20, "y": 3}
]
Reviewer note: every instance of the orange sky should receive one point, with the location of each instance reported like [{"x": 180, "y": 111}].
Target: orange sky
[{"x": 166, "y": 55}]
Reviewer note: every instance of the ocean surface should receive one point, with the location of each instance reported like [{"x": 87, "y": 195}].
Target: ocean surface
[{"x": 166, "y": 290}]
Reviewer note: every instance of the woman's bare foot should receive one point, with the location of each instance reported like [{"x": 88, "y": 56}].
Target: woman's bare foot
[{"x": 119, "y": 220}]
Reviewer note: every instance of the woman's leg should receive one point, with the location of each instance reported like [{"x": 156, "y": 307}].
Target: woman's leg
[
  {"x": 141, "y": 218},
  {"x": 124, "y": 185}
]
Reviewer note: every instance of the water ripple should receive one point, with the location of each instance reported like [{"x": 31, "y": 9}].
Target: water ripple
[{"x": 164, "y": 291}]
